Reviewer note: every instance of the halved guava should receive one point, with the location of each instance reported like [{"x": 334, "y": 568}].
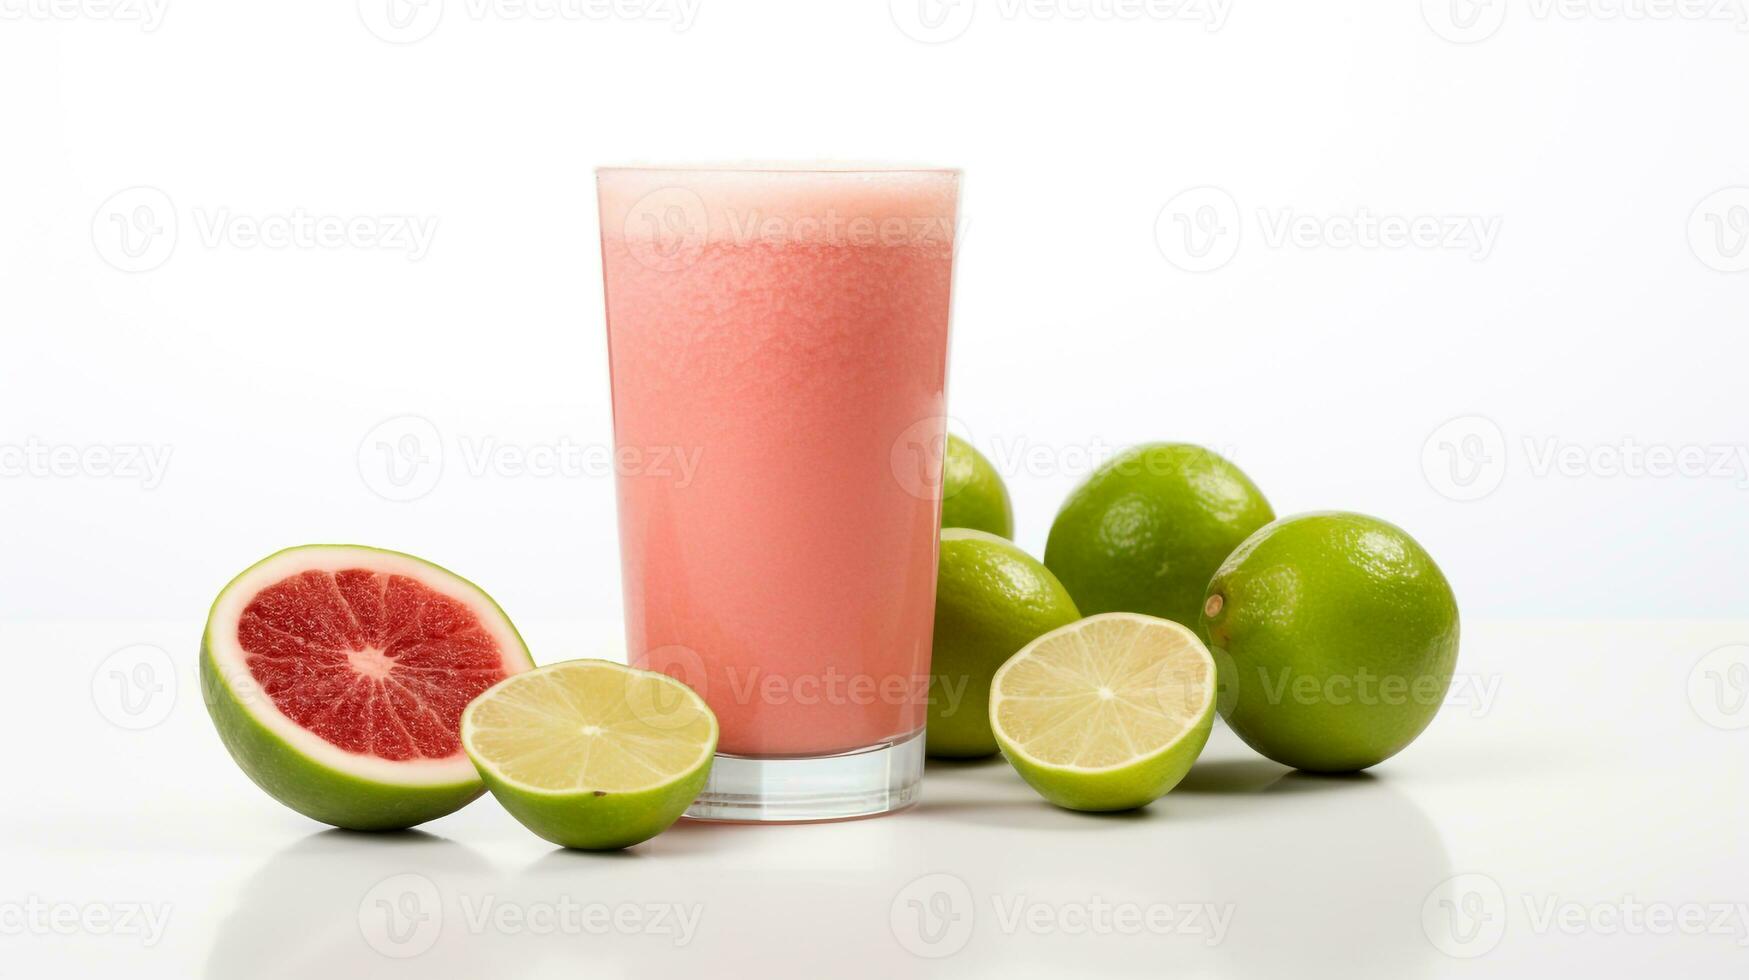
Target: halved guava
[{"x": 337, "y": 675}]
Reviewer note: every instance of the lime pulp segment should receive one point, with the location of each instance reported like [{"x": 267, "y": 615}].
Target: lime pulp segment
[
  {"x": 590, "y": 726},
  {"x": 1107, "y": 691}
]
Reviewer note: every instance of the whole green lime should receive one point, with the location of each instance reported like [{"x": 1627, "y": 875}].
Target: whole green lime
[
  {"x": 1145, "y": 531},
  {"x": 972, "y": 492},
  {"x": 1335, "y": 635},
  {"x": 991, "y": 599}
]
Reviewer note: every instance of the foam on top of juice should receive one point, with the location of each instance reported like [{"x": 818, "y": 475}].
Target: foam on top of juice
[{"x": 669, "y": 209}]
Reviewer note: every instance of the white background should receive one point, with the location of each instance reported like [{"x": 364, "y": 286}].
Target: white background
[
  {"x": 1600, "y": 319},
  {"x": 1323, "y": 372}
]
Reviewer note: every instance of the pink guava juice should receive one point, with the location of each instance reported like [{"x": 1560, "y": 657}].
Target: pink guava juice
[{"x": 780, "y": 337}]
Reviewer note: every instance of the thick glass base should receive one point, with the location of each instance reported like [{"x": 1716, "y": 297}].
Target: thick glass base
[{"x": 860, "y": 783}]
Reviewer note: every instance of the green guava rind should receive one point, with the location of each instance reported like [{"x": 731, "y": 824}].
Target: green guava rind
[
  {"x": 1331, "y": 598},
  {"x": 305, "y": 784}
]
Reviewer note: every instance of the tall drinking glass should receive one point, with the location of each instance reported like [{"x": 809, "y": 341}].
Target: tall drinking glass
[{"x": 778, "y": 345}]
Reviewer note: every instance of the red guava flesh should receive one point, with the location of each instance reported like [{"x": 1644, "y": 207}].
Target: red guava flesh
[{"x": 374, "y": 663}]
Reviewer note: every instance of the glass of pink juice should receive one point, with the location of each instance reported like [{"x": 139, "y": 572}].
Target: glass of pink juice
[{"x": 778, "y": 345}]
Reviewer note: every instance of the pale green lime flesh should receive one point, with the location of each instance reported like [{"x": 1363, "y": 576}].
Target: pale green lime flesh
[{"x": 1107, "y": 713}]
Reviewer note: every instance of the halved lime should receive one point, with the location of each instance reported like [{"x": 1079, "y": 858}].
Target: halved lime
[
  {"x": 1106, "y": 713},
  {"x": 591, "y": 754}
]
